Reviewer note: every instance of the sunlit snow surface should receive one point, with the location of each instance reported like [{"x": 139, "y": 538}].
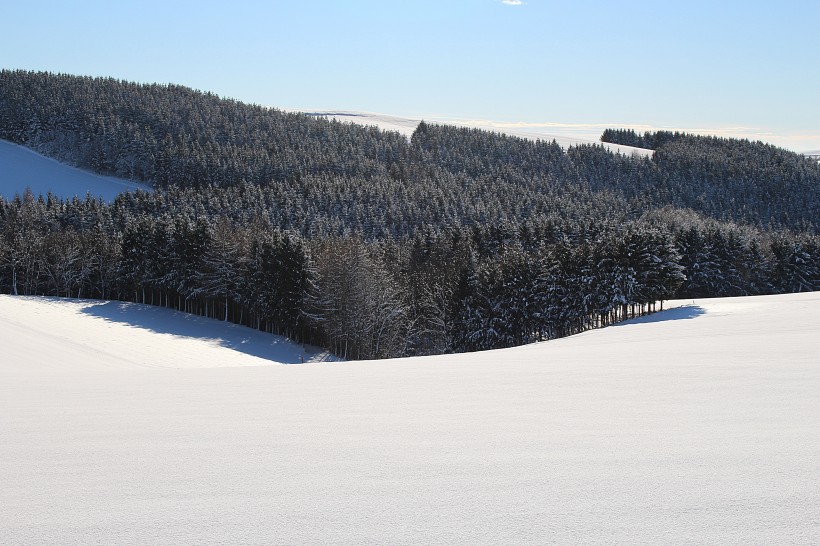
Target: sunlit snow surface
[
  {"x": 22, "y": 168},
  {"x": 564, "y": 136},
  {"x": 699, "y": 425}
]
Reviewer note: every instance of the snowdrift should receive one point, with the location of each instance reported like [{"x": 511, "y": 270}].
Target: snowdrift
[{"x": 700, "y": 424}]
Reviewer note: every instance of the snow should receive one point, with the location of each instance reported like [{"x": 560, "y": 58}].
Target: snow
[
  {"x": 565, "y": 136},
  {"x": 128, "y": 335},
  {"x": 405, "y": 126},
  {"x": 700, "y": 424},
  {"x": 22, "y": 168}
]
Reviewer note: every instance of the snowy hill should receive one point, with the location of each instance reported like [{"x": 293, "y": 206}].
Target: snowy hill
[
  {"x": 22, "y": 168},
  {"x": 112, "y": 334},
  {"x": 700, "y": 424},
  {"x": 565, "y": 137}
]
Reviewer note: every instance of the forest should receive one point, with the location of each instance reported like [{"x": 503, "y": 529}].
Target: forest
[{"x": 374, "y": 245}]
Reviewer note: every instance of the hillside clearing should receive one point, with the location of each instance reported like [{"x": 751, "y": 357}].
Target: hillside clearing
[{"x": 22, "y": 168}]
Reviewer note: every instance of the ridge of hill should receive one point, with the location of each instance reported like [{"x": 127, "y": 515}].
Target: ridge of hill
[
  {"x": 172, "y": 136},
  {"x": 407, "y": 126}
]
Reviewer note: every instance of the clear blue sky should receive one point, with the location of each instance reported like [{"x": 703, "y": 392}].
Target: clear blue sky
[{"x": 751, "y": 67}]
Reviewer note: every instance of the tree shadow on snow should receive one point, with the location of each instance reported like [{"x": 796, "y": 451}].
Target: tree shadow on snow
[
  {"x": 232, "y": 336},
  {"x": 678, "y": 313}
]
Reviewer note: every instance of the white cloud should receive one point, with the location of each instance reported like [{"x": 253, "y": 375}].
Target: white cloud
[{"x": 513, "y": 2}]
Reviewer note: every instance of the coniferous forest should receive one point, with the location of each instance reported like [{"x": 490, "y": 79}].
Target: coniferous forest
[{"x": 376, "y": 246}]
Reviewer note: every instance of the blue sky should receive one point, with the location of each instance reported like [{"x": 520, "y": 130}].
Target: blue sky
[{"x": 748, "y": 68}]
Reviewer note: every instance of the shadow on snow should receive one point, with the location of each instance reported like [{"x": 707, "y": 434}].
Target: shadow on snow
[
  {"x": 678, "y": 313},
  {"x": 231, "y": 336}
]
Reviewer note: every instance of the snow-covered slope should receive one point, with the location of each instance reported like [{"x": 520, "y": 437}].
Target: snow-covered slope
[
  {"x": 92, "y": 334},
  {"x": 564, "y": 136},
  {"x": 22, "y": 168},
  {"x": 698, "y": 425}
]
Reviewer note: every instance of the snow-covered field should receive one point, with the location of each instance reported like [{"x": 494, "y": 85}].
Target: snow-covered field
[
  {"x": 698, "y": 425},
  {"x": 565, "y": 136},
  {"x": 22, "y": 168},
  {"x": 126, "y": 336}
]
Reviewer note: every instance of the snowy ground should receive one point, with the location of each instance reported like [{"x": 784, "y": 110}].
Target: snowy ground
[
  {"x": 21, "y": 167},
  {"x": 127, "y": 335},
  {"x": 565, "y": 136},
  {"x": 697, "y": 425}
]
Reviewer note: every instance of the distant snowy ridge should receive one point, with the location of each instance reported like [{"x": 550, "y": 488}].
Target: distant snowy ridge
[
  {"x": 22, "y": 168},
  {"x": 563, "y": 136}
]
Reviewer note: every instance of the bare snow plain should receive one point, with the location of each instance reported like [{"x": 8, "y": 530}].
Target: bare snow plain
[{"x": 697, "y": 425}]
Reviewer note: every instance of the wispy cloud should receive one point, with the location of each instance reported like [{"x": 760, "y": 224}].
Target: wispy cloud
[{"x": 513, "y": 2}]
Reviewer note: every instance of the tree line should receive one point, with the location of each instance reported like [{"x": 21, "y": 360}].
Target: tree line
[
  {"x": 351, "y": 176},
  {"x": 438, "y": 291},
  {"x": 376, "y": 246}
]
